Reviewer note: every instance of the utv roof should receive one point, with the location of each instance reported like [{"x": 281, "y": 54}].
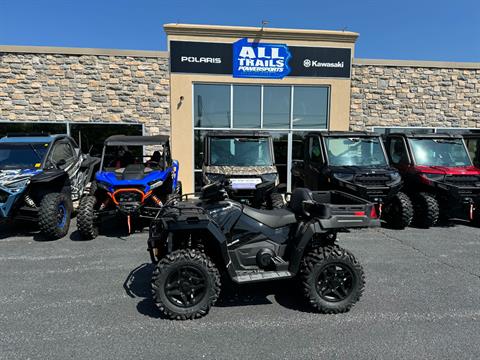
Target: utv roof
[
  {"x": 119, "y": 140},
  {"x": 426, "y": 135},
  {"x": 30, "y": 138},
  {"x": 345, "y": 133},
  {"x": 238, "y": 133}
]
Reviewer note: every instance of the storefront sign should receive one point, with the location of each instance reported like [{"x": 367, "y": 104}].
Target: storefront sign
[{"x": 260, "y": 60}]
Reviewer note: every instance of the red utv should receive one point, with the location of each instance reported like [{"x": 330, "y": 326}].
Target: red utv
[{"x": 438, "y": 176}]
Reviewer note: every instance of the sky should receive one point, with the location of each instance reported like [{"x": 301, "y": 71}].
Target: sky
[{"x": 389, "y": 29}]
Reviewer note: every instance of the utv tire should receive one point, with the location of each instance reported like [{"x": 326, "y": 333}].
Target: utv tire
[
  {"x": 93, "y": 188},
  {"x": 333, "y": 280},
  {"x": 399, "y": 214},
  {"x": 86, "y": 219},
  {"x": 185, "y": 284},
  {"x": 425, "y": 210},
  {"x": 276, "y": 201},
  {"x": 54, "y": 214}
]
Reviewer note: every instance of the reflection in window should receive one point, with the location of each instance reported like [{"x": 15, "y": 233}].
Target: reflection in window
[
  {"x": 246, "y": 106},
  {"x": 212, "y": 106},
  {"x": 310, "y": 107},
  {"x": 276, "y": 107}
]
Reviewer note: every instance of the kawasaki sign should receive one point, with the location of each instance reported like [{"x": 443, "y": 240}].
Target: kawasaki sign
[
  {"x": 244, "y": 59},
  {"x": 256, "y": 60}
]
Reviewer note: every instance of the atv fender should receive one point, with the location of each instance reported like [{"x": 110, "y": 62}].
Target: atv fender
[
  {"x": 191, "y": 225},
  {"x": 52, "y": 180},
  {"x": 304, "y": 236}
]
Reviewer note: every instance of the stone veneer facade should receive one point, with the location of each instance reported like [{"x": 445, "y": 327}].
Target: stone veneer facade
[
  {"x": 405, "y": 93},
  {"x": 95, "y": 85},
  {"x": 86, "y": 88}
]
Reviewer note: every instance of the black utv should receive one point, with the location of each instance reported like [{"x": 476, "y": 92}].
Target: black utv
[
  {"x": 245, "y": 159},
  {"x": 355, "y": 162},
  {"x": 193, "y": 242}
]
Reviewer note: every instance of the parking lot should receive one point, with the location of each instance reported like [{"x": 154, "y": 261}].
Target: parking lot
[{"x": 90, "y": 299}]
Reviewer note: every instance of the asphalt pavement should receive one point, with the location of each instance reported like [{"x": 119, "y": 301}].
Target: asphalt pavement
[{"x": 74, "y": 299}]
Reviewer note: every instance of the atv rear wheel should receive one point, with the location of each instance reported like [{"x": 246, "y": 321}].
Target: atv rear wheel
[
  {"x": 333, "y": 280},
  {"x": 425, "y": 210},
  {"x": 185, "y": 284},
  {"x": 86, "y": 219},
  {"x": 54, "y": 214},
  {"x": 399, "y": 212}
]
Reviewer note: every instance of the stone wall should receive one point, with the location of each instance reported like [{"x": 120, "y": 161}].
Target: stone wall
[
  {"x": 82, "y": 88},
  {"x": 386, "y": 95}
]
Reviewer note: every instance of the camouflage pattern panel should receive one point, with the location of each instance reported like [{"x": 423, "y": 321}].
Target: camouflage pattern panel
[{"x": 239, "y": 170}]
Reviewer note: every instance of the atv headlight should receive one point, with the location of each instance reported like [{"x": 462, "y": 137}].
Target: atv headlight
[
  {"x": 211, "y": 178},
  {"x": 154, "y": 184},
  {"x": 270, "y": 177},
  {"x": 343, "y": 176}
]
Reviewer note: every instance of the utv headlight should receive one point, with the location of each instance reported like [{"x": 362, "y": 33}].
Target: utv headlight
[
  {"x": 211, "y": 178},
  {"x": 270, "y": 177},
  {"x": 395, "y": 176},
  {"x": 103, "y": 186},
  {"x": 433, "y": 177},
  {"x": 154, "y": 184},
  {"x": 18, "y": 185},
  {"x": 343, "y": 176}
]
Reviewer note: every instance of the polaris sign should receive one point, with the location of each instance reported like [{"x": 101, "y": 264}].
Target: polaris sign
[{"x": 255, "y": 60}]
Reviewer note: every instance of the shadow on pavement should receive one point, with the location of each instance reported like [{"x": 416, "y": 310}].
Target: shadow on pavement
[{"x": 286, "y": 293}]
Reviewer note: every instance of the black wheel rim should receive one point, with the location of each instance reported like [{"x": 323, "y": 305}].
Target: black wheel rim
[
  {"x": 186, "y": 286},
  {"x": 335, "y": 282}
]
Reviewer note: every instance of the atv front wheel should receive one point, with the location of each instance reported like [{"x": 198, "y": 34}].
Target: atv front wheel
[
  {"x": 185, "y": 284},
  {"x": 399, "y": 212},
  {"x": 86, "y": 219},
  {"x": 54, "y": 215},
  {"x": 425, "y": 210},
  {"x": 333, "y": 280}
]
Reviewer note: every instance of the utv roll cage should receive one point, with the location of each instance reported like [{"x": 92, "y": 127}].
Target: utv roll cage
[{"x": 130, "y": 140}]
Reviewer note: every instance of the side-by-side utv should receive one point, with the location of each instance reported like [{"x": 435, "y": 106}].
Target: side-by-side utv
[
  {"x": 129, "y": 183},
  {"x": 438, "y": 174},
  {"x": 354, "y": 162}
]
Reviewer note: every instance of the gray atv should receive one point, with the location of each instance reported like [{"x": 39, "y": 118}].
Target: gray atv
[
  {"x": 245, "y": 161},
  {"x": 41, "y": 177}
]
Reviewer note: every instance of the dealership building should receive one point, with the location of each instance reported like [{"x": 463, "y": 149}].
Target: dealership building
[{"x": 284, "y": 81}]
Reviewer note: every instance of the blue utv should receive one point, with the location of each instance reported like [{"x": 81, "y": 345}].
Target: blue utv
[
  {"x": 41, "y": 177},
  {"x": 130, "y": 184}
]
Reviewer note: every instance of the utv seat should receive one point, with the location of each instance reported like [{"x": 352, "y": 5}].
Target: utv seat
[
  {"x": 132, "y": 172},
  {"x": 272, "y": 218}
]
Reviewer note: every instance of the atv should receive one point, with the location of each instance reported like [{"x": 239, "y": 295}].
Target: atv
[
  {"x": 128, "y": 184},
  {"x": 438, "y": 175},
  {"x": 192, "y": 242},
  {"x": 354, "y": 162},
  {"x": 41, "y": 177},
  {"x": 244, "y": 159}
]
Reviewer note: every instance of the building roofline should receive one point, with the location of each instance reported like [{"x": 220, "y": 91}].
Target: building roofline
[
  {"x": 81, "y": 51},
  {"x": 256, "y": 32},
  {"x": 417, "y": 63}
]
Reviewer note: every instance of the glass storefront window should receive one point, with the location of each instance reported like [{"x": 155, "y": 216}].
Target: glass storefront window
[
  {"x": 310, "y": 107},
  {"x": 276, "y": 107},
  {"x": 246, "y": 106},
  {"x": 211, "y": 105},
  {"x": 32, "y": 127}
]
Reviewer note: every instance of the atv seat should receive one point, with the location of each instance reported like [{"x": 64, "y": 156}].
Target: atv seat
[
  {"x": 300, "y": 195},
  {"x": 272, "y": 218},
  {"x": 132, "y": 172}
]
